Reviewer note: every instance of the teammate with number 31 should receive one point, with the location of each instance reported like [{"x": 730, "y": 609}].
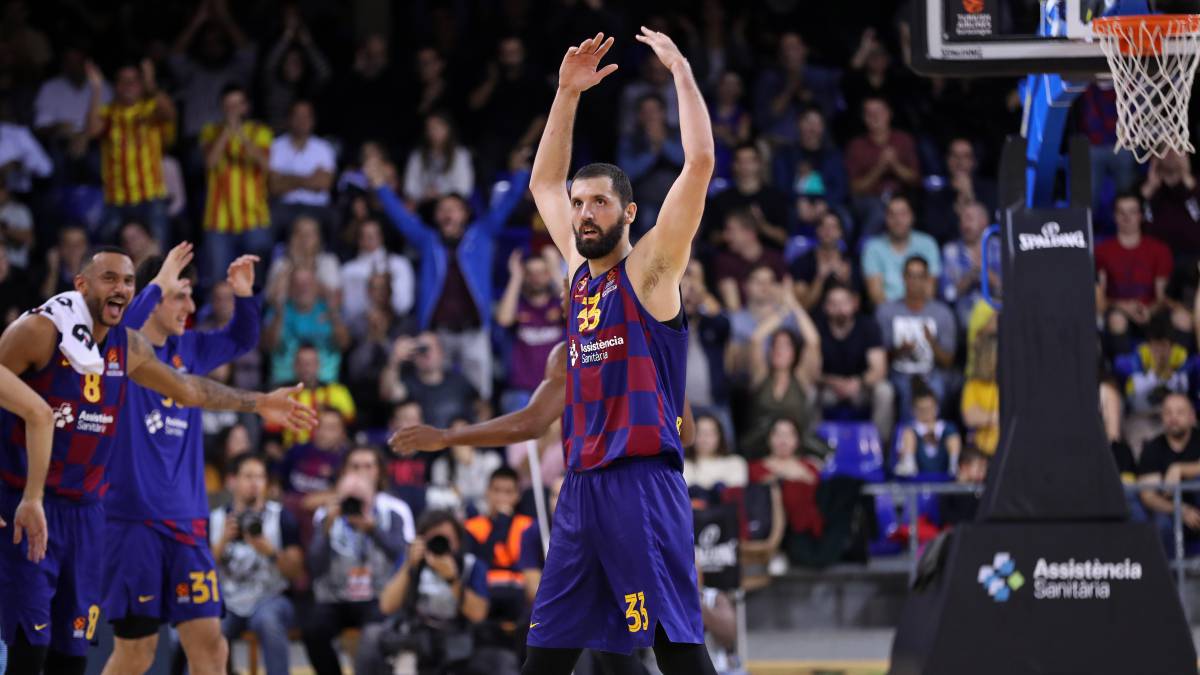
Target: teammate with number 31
[
  {"x": 622, "y": 545},
  {"x": 78, "y": 356}
]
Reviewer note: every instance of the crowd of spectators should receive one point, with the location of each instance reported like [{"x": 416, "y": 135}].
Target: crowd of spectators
[{"x": 377, "y": 161}]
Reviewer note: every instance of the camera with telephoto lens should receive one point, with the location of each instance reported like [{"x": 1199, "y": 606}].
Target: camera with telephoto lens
[
  {"x": 352, "y": 506},
  {"x": 250, "y": 523},
  {"x": 438, "y": 545}
]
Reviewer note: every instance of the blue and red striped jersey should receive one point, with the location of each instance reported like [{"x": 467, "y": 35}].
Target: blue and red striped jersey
[
  {"x": 85, "y": 424},
  {"x": 625, "y": 375}
]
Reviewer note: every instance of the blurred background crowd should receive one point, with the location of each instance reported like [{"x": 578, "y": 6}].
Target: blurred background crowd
[{"x": 376, "y": 155}]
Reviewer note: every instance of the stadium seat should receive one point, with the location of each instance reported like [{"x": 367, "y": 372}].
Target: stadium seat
[{"x": 857, "y": 452}]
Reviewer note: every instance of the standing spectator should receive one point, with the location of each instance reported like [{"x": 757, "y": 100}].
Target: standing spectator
[
  {"x": 301, "y": 170},
  {"x": 962, "y": 262},
  {"x": 784, "y": 369},
  {"x": 1098, "y": 118},
  {"x": 920, "y": 334},
  {"x": 928, "y": 446},
  {"x": 1170, "y": 458},
  {"x": 64, "y": 261},
  {"x": 824, "y": 264},
  {"x": 963, "y": 187},
  {"x": 456, "y": 271},
  {"x": 730, "y": 120},
  {"x": 1132, "y": 268},
  {"x": 532, "y": 311},
  {"x": 885, "y": 256},
  {"x": 743, "y": 252},
  {"x": 434, "y": 89},
  {"x": 298, "y": 315},
  {"x": 21, "y": 157},
  {"x": 854, "y": 364},
  {"x": 782, "y": 91},
  {"x": 439, "y": 165},
  {"x": 750, "y": 190},
  {"x": 373, "y": 259},
  {"x": 257, "y": 547},
  {"x": 497, "y": 534},
  {"x": 871, "y": 75},
  {"x": 465, "y": 472},
  {"x": 981, "y": 393},
  {"x": 294, "y": 69},
  {"x": 880, "y": 164},
  {"x": 652, "y": 155},
  {"x": 133, "y": 130},
  {"x": 237, "y": 219},
  {"x": 440, "y": 591},
  {"x": 225, "y": 55},
  {"x": 1173, "y": 206},
  {"x": 443, "y": 394},
  {"x": 60, "y": 112},
  {"x": 376, "y": 92},
  {"x": 813, "y": 164},
  {"x": 509, "y": 104},
  {"x": 16, "y": 228},
  {"x": 359, "y": 538}
]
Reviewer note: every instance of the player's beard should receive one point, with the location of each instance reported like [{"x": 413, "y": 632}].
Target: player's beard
[
  {"x": 601, "y": 245},
  {"x": 97, "y": 307}
]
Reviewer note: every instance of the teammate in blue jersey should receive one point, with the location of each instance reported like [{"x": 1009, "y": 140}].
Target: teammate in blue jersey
[
  {"x": 158, "y": 566},
  {"x": 49, "y": 610},
  {"x": 622, "y": 544}
]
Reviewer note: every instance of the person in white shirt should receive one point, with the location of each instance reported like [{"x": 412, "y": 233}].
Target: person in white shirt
[
  {"x": 373, "y": 258},
  {"x": 61, "y": 107},
  {"x": 301, "y": 169},
  {"x": 439, "y": 165},
  {"x": 22, "y": 157},
  {"x": 708, "y": 463}
]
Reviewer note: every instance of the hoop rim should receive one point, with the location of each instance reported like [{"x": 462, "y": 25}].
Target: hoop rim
[{"x": 1145, "y": 34}]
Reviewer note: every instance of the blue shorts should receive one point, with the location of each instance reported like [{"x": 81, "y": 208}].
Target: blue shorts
[
  {"x": 622, "y": 561},
  {"x": 57, "y": 601},
  {"x": 147, "y": 574}
]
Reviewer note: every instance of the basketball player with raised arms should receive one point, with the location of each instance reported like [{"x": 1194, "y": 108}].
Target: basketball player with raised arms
[
  {"x": 622, "y": 544},
  {"x": 74, "y": 352}
]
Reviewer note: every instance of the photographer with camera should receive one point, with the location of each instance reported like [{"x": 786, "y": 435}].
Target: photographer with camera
[
  {"x": 434, "y": 602},
  {"x": 257, "y": 547},
  {"x": 359, "y": 537}
]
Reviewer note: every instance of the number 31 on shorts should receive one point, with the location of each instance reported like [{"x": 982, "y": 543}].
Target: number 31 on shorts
[{"x": 636, "y": 612}]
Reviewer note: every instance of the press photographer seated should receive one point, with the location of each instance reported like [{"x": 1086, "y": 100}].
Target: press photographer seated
[
  {"x": 358, "y": 539},
  {"x": 434, "y": 601}
]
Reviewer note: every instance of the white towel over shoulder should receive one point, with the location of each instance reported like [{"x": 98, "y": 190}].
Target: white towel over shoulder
[{"x": 71, "y": 317}]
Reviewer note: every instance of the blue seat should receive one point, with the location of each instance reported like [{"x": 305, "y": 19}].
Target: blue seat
[
  {"x": 889, "y": 516},
  {"x": 857, "y": 452}
]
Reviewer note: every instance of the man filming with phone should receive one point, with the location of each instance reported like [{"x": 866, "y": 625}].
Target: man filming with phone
[
  {"x": 257, "y": 547},
  {"x": 358, "y": 538}
]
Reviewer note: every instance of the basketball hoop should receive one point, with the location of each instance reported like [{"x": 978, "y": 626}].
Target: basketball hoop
[{"x": 1153, "y": 59}]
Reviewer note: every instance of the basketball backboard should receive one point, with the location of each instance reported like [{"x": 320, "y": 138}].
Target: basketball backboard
[{"x": 968, "y": 38}]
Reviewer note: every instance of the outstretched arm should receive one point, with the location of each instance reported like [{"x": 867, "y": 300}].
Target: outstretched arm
[
  {"x": 525, "y": 424},
  {"x": 548, "y": 181},
  {"x": 277, "y": 407},
  {"x": 662, "y": 255}
]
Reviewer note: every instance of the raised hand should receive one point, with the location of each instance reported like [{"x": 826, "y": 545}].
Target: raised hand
[
  {"x": 280, "y": 408},
  {"x": 172, "y": 267},
  {"x": 240, "y": 275},
  {"x": 94, "y": 76},
  {"x": 663, "y": 46},
  {"x": 578, "y": 70}
]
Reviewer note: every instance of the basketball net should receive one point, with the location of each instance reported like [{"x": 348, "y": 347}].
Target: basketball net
[{"x": 1153, "y": 61}]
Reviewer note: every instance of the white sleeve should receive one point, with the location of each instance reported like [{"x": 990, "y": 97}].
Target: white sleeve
[
  {"x": 403, "y": 284},
  {"x": 35, "y": 159}
]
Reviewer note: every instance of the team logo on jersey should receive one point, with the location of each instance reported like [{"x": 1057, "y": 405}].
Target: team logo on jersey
[
  {"x": 574, "y": 354},
  {"x": 181, "y": 594},
  {"x": 114, "y": 363},
  {"x": 154, "y": 422},
  {"x": 78, "y": 626},
  {"x": 177, "y": 363},
  {"x": 64, "y": 415},
  {"x": 610, "y": 284}
]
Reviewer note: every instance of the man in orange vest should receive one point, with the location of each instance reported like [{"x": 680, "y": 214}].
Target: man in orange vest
[{"x": 497, "y": 540}]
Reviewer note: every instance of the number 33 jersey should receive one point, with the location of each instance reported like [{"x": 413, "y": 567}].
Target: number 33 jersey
[
  {"x": 85, "y": 410},
  {"x": 625, "y": 375}
]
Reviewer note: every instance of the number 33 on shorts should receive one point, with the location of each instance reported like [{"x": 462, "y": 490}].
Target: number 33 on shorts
[{"x": 636, "y": 612}]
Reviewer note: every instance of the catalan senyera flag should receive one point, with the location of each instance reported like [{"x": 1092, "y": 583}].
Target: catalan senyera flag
[{"x": 237, "y": 187}]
